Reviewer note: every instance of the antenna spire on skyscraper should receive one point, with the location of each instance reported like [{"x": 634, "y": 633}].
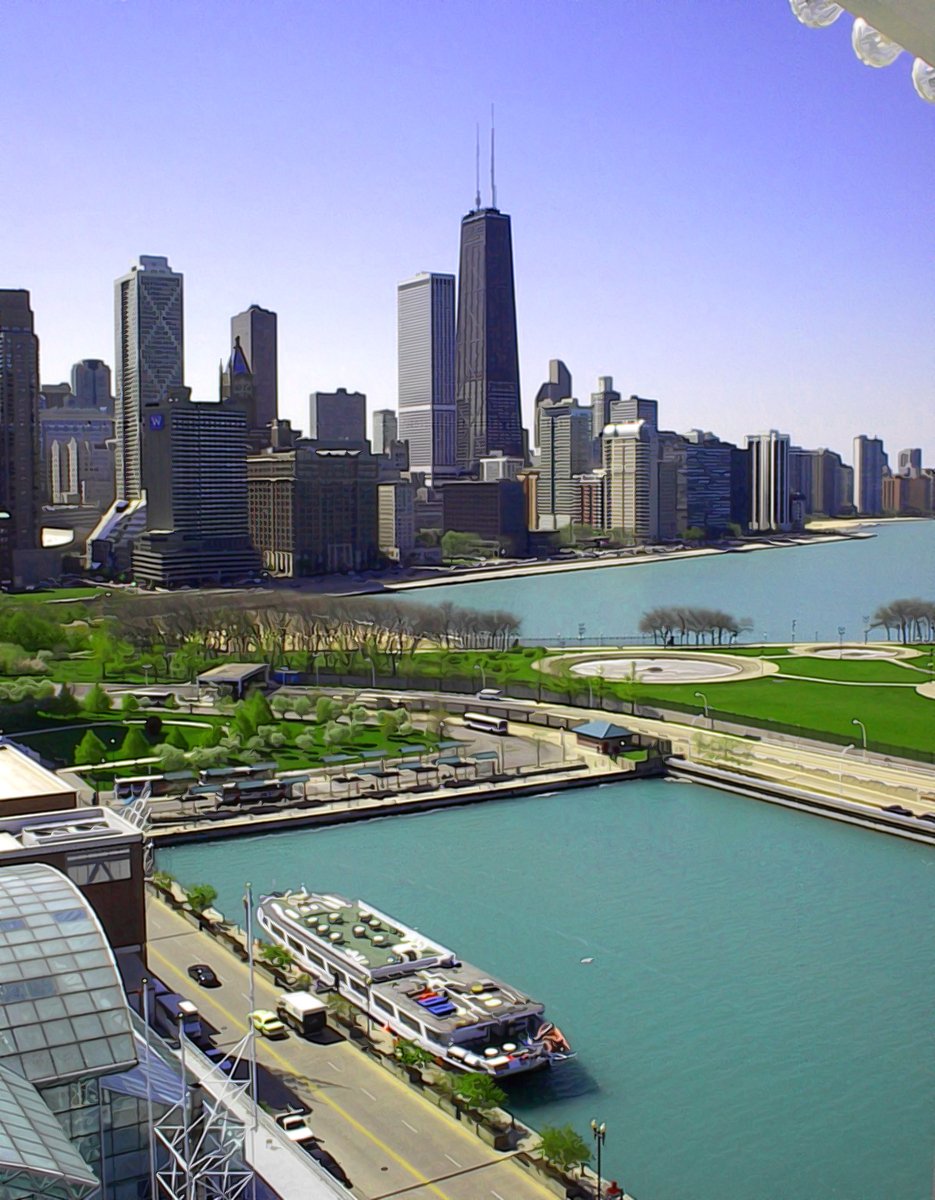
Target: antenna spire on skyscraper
[
  {"x": 477, "y": 168},
  {"x": 493, "y": 179}
]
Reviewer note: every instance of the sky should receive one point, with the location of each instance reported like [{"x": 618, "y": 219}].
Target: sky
[{"x": 718, "y": 207}]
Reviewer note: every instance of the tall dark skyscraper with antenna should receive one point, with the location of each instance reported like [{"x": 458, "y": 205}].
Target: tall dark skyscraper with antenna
[{"x": 487, "y": 359}]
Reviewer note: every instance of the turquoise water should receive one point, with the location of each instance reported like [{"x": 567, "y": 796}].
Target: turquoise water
[
  {"x": 820, "y": 587},
  {"x": 756, "y": 1023}
]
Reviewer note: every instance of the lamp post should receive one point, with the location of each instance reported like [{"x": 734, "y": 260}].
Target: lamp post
[
  {"x": 599, "y": 1132},
  {"x": 863, "y": 733},
  {"x": 373, "y": 670},
  {"x": 793, "y": 629},
  {"x": 483, "y": 674},
  {"x": 704, "y": 700}
]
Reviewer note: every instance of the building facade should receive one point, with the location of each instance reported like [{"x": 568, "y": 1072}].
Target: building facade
[
  {"x": 630, "y": 455},
  {"x": 257, "y": 331},
  {"x": 565, "y": 452},
  {"x": 601, "y": 400},
  {"x": 19, "y": 439},
  {"x": 770, "y": 492},
  {"x": 313, "y": 508},
  {"x": 385, "y": 430},
  {"x": 148, "y": 321},
  {"x": 396, "y": 533},
  {"x": 339, "y": 417},
  {"x": 496, "y": 512},
  {"x": 91, "y": 385},
  {"x": 487, "y": 355},
  {"x": 425, "y": 308},
  {"x": 555, "y": 389},
  {"x": 870, "y": 466},
  {"x": 197, "y": 527}
]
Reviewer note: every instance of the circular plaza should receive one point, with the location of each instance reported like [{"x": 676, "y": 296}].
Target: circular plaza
[{"x": 674, "y": 667}]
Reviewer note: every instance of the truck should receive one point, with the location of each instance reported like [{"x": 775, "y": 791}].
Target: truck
[
  {"x": 172, "y": 1011},
  {"x": 302, "y": 1011}
]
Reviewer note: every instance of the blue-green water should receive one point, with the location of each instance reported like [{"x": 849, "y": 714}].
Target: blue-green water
[
  {"x": 822, "y": 587},
  {"x": 756, "y": 1023}
]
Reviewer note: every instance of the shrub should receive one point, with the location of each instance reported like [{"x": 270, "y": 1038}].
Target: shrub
[
  {"x": 134, "y": 745},
  {"x": 200, "y": 896},
  {"x": 479, "y": 1091},
  {"x": 307, "y": 742},
  {"x": 563, "y": 1147},
  {"x": 153, "y": 726},
  {"x": 97, "y": 700},
  {"x": 301, "y": 706},
  {"x": 276, "y": 956},
  {"x": 65, "y": 703},
  {"x": 171, "y": 758},
  {"x": 411, "y": 1054},
  {"x": 129, "y": 703},
  {"x": 90, "y": 750}
]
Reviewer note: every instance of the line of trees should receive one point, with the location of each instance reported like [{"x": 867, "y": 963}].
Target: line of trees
[
  {"x": 192, "y": 628},
  {"x": 681, "y": 624},
  {"x": 912, "y": 620}
]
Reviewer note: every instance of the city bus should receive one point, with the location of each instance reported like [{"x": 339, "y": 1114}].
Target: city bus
[{"x": 485, "y": 724}]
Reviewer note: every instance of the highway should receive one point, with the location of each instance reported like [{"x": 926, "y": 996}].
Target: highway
[{"x": 390, "y": 1140}]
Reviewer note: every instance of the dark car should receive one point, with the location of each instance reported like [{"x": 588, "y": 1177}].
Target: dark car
[
  {"x": 203, "y": 975},
  {"x": 927, "y": 817},
  {"x": 899, "y": 810}
]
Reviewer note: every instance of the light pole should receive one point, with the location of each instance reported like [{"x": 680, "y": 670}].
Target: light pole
[
  {"x": 704, "y": 700},
  {"x": 793, "y": 629},
  {"x": 863, "y": 733},
  {"x": 483, "y": 674},
  {"x": 373, "y": 670},
  {"x": 146, "y": 668},
  {"x": 599, "y": 1132},
  {"x": 841, "y": 633}
]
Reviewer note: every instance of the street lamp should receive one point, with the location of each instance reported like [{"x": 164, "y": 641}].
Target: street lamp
[
  {"x": 373, "y": 670},
  {"x": 483, "y": 674},
  {"x": 704, "y": 700},
  {"x": 793, "y": 629},
  {"x": 863, "y": 732},
  {"x": 599, "y": 1132},
  {"x": 849, "y": 746}
]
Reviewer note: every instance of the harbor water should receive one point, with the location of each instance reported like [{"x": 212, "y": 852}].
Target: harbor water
[
  {"x": 748, "y": 988},
  {"x": 815, "y": 592}
]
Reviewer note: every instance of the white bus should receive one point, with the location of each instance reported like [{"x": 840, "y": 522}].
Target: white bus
[{"x": 485, "y": 724}]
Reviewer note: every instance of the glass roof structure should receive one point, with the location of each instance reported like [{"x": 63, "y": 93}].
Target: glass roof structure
[
  {"x": 36, "y": 1158},
  {"x": 63, "y": 1013}
]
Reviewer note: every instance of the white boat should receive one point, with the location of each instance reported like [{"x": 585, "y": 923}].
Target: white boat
[{"x": 414, "y": 987}]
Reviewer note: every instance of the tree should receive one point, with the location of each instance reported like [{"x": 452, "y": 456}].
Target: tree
[
  {"x": 129, "y": 703},
  {"x": 97, "y": 700},
  {"x": 65, "y": 703},
  {"x": 163, "y": 880},
  {"x": 339, "y": 1007},
  {"x": 171, "y": 758},
  {"x": 411, "y": 1054},
  {"x": 258, "y": 707},
  {"x": 153, "y": 726},
  {"x": 176, "y": 738},
  {"x": 479, "y": 1091},
  {"x": 276, "y": 956},
  {"x": 563, "y": 1147},
  {"x": 90, "y": 750},
  {"x": 200, "y": 896},
  {"x": 134, "y": 745}
]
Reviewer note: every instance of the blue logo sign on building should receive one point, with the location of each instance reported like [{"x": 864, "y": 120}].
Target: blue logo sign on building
[{"x": 157, "y": 420}]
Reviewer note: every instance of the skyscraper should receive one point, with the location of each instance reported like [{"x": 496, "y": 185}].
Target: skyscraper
[
  {"x": 769, "y": 481},
  {"x": 385, "y": 429},
  {"x": 19, "y": 439},
  {"x": 601, "y": 401},
  {"x": 257, "y": 330},
  {"x": 565, "y": 441},
  {"x": 870, "y": 465},
  {"x": 338, "y": 417},
  {"x": 487, "y": 358},
  {"x": 197, "y": 527},
  {"x": 90, "y": 382},
  {"x": 631, "y": 478},
  {"x": 149, "y": 356},
  {"x": 426, "y": 364},
  {"x": 555, "y": 389}
]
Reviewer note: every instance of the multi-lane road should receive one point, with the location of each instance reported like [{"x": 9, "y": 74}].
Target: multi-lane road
[{"x": 391, "y": 1141}]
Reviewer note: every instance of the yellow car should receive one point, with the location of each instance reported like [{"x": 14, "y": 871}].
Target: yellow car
[{"x": 267, "y": 1023}]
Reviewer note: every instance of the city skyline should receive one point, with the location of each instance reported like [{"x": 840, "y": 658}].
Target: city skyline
[{"x": 708, "y": 244}]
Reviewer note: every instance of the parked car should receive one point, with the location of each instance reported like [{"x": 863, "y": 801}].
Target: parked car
[
  {"x": 295, "y": 1126},
  {"x": 203, "y": 975},
  {"x": 267, "y": 1023}
]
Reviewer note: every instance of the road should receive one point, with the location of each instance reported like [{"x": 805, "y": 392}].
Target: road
[{"x": 389, "y": 1139}]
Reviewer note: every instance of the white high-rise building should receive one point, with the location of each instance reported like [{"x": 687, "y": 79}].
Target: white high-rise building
[
  {"x": 426, "y": 346},
  {"x": 149, "y": 358},
  {"x": 870, "y": 465},
  {"x": 630, "y": 453},
  {"x": 769, "y": 481},
  {"x": 564, "y": 453}
]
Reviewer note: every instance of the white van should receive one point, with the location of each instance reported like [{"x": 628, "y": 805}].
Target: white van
[{"x": 490, "y": 694}]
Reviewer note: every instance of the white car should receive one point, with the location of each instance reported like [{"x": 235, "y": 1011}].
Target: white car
[{"x": 295, "y": 1126}]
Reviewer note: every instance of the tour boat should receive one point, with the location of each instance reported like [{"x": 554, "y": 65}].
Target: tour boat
[{"x": 412, "y": 986}]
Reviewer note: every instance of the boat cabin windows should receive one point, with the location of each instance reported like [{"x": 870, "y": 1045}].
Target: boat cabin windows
[
  {"x": 383, "y": 1005},
  {"x": 410, "y": 1022},
  {"x": 357, "y": 988}
]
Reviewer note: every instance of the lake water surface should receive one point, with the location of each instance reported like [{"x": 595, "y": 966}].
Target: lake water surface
[{"x": 756, "y": 1023}]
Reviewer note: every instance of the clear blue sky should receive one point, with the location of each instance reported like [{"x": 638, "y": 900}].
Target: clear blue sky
[{"x": 710, "y": 202}]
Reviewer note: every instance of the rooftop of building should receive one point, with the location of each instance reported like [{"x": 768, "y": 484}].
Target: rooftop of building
[
  {"x": 63, "y": 1013},
  {"x": 62, "y": 829},
  {"x": 21, "y": 777},
  {"x": 232, "y": 672}
]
